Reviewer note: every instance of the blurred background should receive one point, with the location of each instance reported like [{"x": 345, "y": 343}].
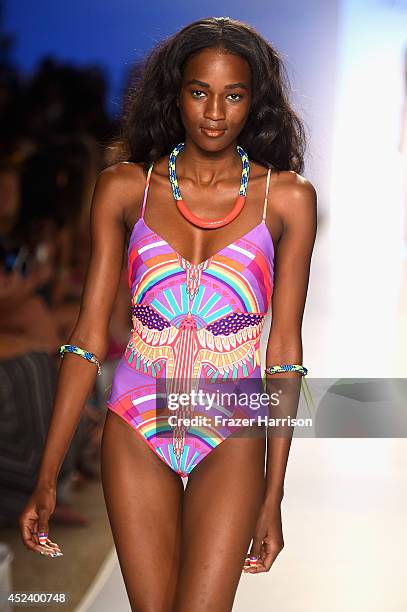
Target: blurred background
[{"x": 64, "y": 70}]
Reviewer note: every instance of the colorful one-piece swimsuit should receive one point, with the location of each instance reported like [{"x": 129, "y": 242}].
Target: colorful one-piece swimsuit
[{"x": 191, "y": 322}]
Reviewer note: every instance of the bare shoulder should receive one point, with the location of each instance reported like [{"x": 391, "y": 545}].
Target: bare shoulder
[
  {"x": 293, "y": 198},
  {"x": 122, "y": 184},
  {"x": 288, "y": 189},
  {"x": 292, "y": 201},
  {"x": 124, "y": 178}
]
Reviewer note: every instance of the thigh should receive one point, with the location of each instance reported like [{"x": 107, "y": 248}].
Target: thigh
[
  {"x": 144, "y": 504},
  {"x": 221, "y": 505}
]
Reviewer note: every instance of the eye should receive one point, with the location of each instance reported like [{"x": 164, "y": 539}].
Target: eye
[
  {"x": 196, "y": 91},
  {"x": 239, "y": 97}
]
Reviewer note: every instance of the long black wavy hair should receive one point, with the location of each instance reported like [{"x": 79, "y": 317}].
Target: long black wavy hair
[{"x": 151, "y": 124}]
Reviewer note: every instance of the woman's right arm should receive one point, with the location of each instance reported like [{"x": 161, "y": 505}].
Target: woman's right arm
[{"x": 76, "y": 377}]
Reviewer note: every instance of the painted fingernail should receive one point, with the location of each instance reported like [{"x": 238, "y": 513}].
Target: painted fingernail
[{"x": 51, "y": 554}]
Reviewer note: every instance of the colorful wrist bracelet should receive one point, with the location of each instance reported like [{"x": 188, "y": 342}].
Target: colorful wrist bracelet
[
  {"x": 286, "y": 368},
  {"x": 72, "y": 348}
]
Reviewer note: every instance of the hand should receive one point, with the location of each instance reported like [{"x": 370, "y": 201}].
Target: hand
[
  {"x": 268, "y": 540},
  {"x": 34, "y": 519}
]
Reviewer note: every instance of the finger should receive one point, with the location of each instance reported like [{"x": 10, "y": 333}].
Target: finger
[
  {"x": 254, "y": 566},
  {"x": 255, "y": 549},
  {"x": 49, "y": 545},
  {"x": 262, "y": 566},
  {"x": 32, "y": 522},
  {"x": 43, "y": 549},
  {"x": 254, "y": 554},
  {"x": 250, "y": 566},
  {"x": 43, "y": 526},
  {"x": 27, "y": 530},
  {"x": 42, "y": 536},
  {"x": 48, "y": 551},
  {"x": 246, "y": 564},
  {"x": 250, "y": 562},
  {"x": 262, "y": 555},
  {"x": 270, "y": 558},
  {"x": 51, "y": 553}
]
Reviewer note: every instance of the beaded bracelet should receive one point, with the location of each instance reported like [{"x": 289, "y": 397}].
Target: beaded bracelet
[
  {"x": 72, "y": 348},
  {"x": 286, "y": 368}
]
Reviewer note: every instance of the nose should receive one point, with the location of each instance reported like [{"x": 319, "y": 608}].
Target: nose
[{"x": 214, "y": 108}]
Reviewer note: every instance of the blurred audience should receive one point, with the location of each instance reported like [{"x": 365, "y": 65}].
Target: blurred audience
[{"x": 56, "y": 137}]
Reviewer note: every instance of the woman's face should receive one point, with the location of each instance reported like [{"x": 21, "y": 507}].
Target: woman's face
[{"x": 215, "y": 98}]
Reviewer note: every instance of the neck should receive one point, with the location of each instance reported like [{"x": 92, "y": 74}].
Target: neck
[{"x": 205, "y": 168}]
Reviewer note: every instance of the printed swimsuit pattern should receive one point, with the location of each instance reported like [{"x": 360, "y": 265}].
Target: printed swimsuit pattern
[{"x": 191, "y": 322}]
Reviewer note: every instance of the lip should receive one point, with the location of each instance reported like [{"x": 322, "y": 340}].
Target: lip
[{"x": 213, "y": 133}]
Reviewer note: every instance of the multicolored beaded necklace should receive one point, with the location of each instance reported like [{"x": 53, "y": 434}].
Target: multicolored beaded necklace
[{"x": 194, "y": 219}]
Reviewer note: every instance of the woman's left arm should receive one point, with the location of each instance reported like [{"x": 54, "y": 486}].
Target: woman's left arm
[{"x": 295, "y": 202}]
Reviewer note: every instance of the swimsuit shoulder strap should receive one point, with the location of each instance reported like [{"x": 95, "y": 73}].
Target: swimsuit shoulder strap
[
  {"x": 266, "y": 196},
  {"x": 146, "y": 189}
]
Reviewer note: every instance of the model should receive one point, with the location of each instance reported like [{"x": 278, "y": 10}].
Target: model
[{"x": 221, "y": 225}]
